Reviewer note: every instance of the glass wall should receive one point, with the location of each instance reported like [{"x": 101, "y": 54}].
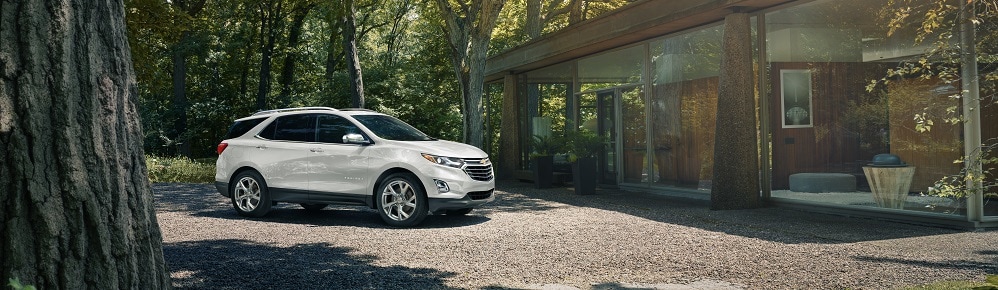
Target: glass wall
[
  {"x": 834, "y": 109},
  {"x": 683, "y": 107},
  {"x": 548, "y": 102}
]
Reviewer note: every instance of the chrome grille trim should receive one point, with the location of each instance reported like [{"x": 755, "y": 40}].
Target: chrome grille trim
[{"x": 479, "y": 169}]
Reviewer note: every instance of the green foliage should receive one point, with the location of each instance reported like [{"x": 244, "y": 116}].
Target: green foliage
[
  {"x": 546, "y": 145},
  {"x": 180, "y": 169},
  {"x": 937, "y": 27},
  {"x": 583, "y": 143},
  {"x": 990, "y": 283},
  {"x": 16, "y": 285}
]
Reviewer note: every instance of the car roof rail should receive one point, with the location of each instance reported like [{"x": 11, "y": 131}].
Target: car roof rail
[
  {"x": 357, "y": 109},
  {"x": 292, "y": 109}
]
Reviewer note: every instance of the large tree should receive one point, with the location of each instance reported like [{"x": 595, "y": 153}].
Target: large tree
[
  {"x": 349, "y": 34},
  {"x": 469, "y": 30},
  {"x": 77, "y": 210}
]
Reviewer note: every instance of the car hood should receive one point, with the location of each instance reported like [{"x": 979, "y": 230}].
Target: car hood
[{"x": 444, "y": 148}]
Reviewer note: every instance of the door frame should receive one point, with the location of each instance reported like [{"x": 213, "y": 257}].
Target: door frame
[{"x": 617, "y": 92}]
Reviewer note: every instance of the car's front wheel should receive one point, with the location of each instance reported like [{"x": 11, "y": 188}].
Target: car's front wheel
[
  {"x": 401, "y": 200},
  {"x": 250, "y": 196}
]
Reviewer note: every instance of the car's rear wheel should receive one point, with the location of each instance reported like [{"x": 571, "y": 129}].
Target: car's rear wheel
[
  {"x": 313, "y": 206},
  {"x": 463, "y": 211},
  {"x": 401, "y": 200},
  {"x": 250, "y": 196}
]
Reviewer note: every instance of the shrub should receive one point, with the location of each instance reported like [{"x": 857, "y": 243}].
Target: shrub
[{"x": 180, "y": 169}]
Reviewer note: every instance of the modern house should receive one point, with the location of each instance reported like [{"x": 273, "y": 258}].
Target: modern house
[{"x": 647, "y": 77}]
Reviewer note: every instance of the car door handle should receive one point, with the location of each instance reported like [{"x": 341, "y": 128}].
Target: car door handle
[
  {"x": 261, "y": 147},
  {"x": 315, "y": 150}
]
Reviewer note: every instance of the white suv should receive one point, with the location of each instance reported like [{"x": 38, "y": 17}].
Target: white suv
[{"x": 317, "y": 156}]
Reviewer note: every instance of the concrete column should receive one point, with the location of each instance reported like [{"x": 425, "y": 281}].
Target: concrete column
[
  {"x": 736, "y": 164},
  {"x": 508, "y": 159}
]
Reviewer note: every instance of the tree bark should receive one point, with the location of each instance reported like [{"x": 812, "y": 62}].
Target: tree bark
[
  {"x": 349, "y": 34},
  {"x": 77, "y": 209},
  {"x": 270, "y": 14},
  {"x": 534, "y": 24},
  {"x": 332, "y": 55},
  {"x": 394, "y": 39},
  {"x": 180, "y": 104},
  {"x": 180, "y": 96},
  {"x": 576, "y": 14},
  {"x": 469, "y": 32},
  {"x": 290, "y": 60}
]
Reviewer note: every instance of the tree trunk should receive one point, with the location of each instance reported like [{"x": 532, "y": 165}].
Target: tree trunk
[
  {"x": 77, "y": 207},
  {"x": 269, "y": 17},
  {"x": 350, "y": 50},
  {"x": 332, "y": 55},
  {"x": 534, "y": 24},
  {"x": 399, "y": 24},
  {"x": 469, "y": 33},
  {"x": 576, "y": 14},
  {"x": 180, "y": 95},
  {"x": 288, "y": 71}
]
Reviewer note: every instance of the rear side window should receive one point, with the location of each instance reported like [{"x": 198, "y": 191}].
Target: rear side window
[
  {"x": 291, "y": 128},
  {"x": 241, "y": 127}
]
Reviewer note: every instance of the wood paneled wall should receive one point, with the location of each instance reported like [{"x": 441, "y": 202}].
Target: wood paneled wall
[
  {"x": 830, "y": 145},
  {"x": 683, "y": 121},
  {"x": 847, "y": 125}
]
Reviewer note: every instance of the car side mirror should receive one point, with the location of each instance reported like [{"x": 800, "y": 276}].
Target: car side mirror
[{"x": 354, "y": 138}]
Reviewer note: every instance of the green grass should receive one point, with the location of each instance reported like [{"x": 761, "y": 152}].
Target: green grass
[
  {"x": 990, "y": 283},
  {"x": 180, "y": 169}
]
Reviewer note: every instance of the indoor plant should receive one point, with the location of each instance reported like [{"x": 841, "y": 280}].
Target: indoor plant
[
  {"x": 584, "y": 147},
  {"x": 542, "y": 159}
]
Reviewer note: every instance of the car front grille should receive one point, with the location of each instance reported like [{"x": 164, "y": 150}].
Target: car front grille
[
  {"x": 478, "y": 168},
  {"x": 476, "y": 195}
]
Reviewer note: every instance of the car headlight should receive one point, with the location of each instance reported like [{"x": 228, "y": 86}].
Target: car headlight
[{"x": 445, "y": 161}]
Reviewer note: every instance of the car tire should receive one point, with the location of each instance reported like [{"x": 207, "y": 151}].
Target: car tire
[
  {"x": 458, "y": 212},
  {"x": 250, "y": 196},
  {"x": 401, "y": 200},
  {"x": 313, "y": 206}
]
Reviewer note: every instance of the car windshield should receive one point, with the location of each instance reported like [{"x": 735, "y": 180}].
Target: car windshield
[{"x": 388, "y": 127}]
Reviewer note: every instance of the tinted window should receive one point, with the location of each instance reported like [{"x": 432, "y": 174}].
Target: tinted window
[
  {"x": 293, "y": 128},
  {"x": 241, "y": 127},
  {"x": 331, "y": 129},
  {"x": 392, "y": 129}
]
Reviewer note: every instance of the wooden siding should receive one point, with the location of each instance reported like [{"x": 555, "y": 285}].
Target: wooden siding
[
  {"x": 851, "y": 125},
  {"x": 683, "y": 119}
]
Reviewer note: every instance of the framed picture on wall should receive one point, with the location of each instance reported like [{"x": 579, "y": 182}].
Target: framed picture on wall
[{"x": 795, "y": 93}]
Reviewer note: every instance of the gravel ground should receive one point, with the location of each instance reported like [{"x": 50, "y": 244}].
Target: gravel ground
[{"x": 552, "y": 239}]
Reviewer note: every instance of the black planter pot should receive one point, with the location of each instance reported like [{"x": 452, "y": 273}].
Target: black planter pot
[
  {"x": 543, "y": 171},
  {"x": 584, "y": 176}
]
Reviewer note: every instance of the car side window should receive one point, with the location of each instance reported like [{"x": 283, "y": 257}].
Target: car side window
[
  {"x": 241, "y": 127},
  {"x": 291, "y": 128},
  {"x": 331, "y": 129}
]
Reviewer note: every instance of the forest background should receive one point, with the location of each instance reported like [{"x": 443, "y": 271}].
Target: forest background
[{"x": 201, "y": 64}]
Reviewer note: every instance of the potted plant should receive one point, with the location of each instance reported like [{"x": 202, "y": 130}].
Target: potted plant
[
  {"x": 583, "y": 148},
  {"x": 542, "y": 159}
]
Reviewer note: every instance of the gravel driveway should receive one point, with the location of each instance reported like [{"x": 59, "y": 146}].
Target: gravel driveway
[{"x": 552, "y": 239}]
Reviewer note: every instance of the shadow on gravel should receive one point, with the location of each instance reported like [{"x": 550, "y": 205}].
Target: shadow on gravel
[
  {"x": 957, "y": 264},
  {"x": 221, "y": 264},
  {"x": 202, "y": 200},
  {"x": 771, "y": 224}
]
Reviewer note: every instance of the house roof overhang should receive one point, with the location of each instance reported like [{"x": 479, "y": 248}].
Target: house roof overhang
[{"x": 633, "y": 23}]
